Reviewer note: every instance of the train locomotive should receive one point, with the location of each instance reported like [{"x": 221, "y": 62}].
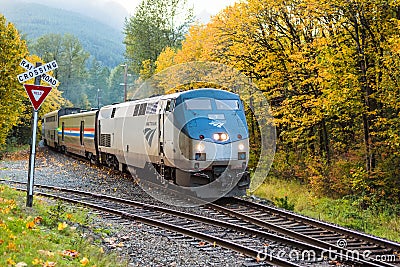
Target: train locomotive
[{"x": 192, "y": 139}]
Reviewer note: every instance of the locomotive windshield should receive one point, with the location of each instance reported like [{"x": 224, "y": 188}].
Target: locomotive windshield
[
  {"x": 227, "y": 104},
  {"x": 198, "y": 104},
  {"x": 205, "y": 104}
]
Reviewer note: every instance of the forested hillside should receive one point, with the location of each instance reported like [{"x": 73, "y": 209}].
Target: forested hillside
[{"x": 34, "y": 20}]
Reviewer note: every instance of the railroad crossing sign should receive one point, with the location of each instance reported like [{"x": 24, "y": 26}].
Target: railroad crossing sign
[
  {"x": 37, "y": 94},
  {"x": 42, "y": 70}
]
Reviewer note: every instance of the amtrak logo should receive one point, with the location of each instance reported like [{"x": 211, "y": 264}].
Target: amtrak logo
[
  {"x": 218, "y": 124},
  {"x": 149, "y": 134}
]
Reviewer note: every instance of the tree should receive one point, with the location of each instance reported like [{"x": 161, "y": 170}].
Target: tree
[
  {"x": 97, "y": 82},
  {"x": 22, "y": 132},
  {"x": 330, "y": 70},
  {"x": 71, "y": 58},
  {"x": 12, "y": 94},
  {"x": 156, "y": 24}
]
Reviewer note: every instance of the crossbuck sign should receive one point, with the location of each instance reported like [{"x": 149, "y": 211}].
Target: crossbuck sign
[{"x": 33, "y": 72}]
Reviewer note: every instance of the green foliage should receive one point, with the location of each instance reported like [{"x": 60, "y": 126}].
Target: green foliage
[
  {"x": 283, "y": 202},
  {"x": 12, "y": 94},
  {"x": 155, "y": 25},
  {"x": 71, "y": 57},
  {"x": 378, "y": 218},
  {"x": 101, "y": 41}
]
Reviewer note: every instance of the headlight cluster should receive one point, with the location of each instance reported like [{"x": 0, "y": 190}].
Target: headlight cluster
[{"x": 220, "y": 136}]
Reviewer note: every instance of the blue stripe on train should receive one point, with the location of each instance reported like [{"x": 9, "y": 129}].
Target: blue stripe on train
[{"x": 77, "y": 134}]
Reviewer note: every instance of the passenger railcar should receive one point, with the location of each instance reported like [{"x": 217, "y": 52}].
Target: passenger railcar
[
  {"x": 50, "y": 125},
  {"x": 191, "y": 138},
  {"x": 76, "y": 134}
]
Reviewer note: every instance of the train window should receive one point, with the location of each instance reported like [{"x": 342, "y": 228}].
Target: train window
[
  {"x": 142, "y": 109},
  {"x": 227, "y": 104},
  {"x": 136, "y": 111},
  {"x": 172, "y": 106},
  {"x": 198, "y": 104},
  {"x": 51, "y": 119},
  {"x": 113, "y": 112},
  {"x": 152, "y": 108}
]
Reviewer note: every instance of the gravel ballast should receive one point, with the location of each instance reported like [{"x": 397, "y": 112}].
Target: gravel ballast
[{"x": 137, "y": 243}]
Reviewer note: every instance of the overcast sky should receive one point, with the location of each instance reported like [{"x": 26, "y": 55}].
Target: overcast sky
[{"x": 113, "y": 12}]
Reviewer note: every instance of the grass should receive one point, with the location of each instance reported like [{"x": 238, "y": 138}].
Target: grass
[
  {"x": 46, "y": 235},
  {"x": 295, "y": 196}
]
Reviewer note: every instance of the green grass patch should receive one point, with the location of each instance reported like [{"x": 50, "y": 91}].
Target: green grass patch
[
  {"x": 46, "y": 235},
  {"x": 380, "y": 220}
]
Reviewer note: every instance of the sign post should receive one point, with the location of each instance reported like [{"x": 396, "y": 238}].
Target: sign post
[
  {"x": 37, "y": 94},
  {"x": 31, "y": 173}
]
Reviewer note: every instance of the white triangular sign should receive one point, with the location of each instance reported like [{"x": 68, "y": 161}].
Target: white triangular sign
[{"x": 37, "y": 94}]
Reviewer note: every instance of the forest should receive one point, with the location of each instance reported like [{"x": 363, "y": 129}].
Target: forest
[{"x": 329, "y": 70}]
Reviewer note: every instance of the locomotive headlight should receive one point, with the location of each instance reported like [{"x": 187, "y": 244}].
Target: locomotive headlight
[
  {"x": 216, "y": 136},
  {"x": 200, "y": 147},
  {"x": 220, "y": 136},
  {"x": 241, "y": 147},
  {"x": 223, "y": 137}
]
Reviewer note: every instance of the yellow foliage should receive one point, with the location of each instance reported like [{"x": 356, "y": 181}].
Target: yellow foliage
[
  {"x": 62, "y": 226},
  {"x": 12, "y": 51},
  {"x": 84, "y": 261}
]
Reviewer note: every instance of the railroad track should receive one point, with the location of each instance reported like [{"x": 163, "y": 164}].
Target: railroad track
[
  {"x": 261, "y": 243},
  {"x": 331, "y": 237}
]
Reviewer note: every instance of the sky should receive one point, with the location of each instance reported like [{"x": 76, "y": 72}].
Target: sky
[{"x": 113, "y": 12}]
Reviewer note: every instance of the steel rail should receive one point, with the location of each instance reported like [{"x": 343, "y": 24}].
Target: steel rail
[
  {"x": 335, "y": 228},
  {"x": 254, "y": 254},
  {"x": 288, "y": 232},
  {"x": 310, "y": 245}
]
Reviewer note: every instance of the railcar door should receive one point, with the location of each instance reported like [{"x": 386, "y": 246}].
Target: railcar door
[{"x": 167, "y": 132}]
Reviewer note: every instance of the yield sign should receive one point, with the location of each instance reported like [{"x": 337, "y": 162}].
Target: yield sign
[{"x": 37, "y": 94}]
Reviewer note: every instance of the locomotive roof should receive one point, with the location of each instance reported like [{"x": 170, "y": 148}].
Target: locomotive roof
[{"x": 201, "y": 92}]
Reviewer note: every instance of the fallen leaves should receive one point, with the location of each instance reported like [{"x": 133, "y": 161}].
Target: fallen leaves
[
  {"x": 62, "y": 226},
  {"x": 46, "y": 253},
  {"x": 84, "y": 261},
  {"x": 70, "y": 253},
  {"x": 30, "y": 225},
  {"x": 38, "y": 220},
  {"x": 11, "y": 246},
  {"x": 10, "y": 261},
  {"x": 49, "y": 264},
  {"x": 37, "y": 261}
]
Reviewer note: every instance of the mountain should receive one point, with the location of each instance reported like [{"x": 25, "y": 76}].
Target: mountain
[{"x": 34, "y": 20}]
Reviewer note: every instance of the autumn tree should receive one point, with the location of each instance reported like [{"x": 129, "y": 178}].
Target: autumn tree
[
  {"x": 330, "y": 71},
  {"x": 12, "y": 94},
  {"x": 21, "y": 133}
]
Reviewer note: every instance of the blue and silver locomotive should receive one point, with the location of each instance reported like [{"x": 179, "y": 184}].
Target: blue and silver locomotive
[{"x": 192, "y": 139}]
